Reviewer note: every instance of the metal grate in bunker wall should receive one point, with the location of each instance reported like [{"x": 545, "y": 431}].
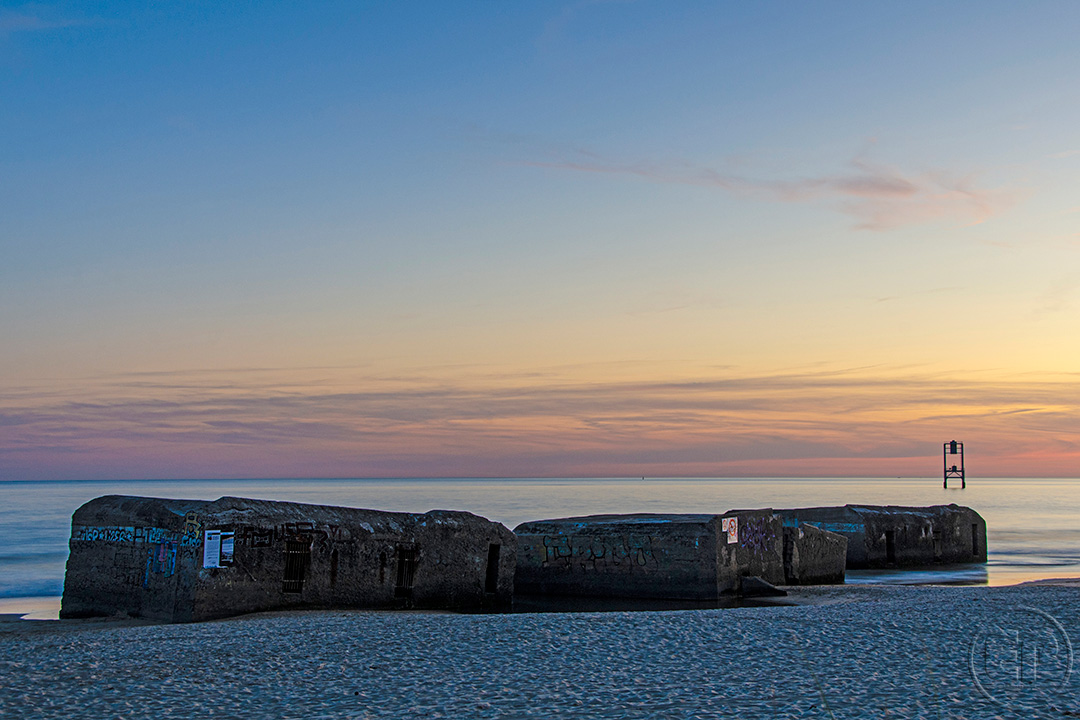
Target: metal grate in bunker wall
[
  {"x": 407, "y": 557},
  {"x": 297, "y": 560}
]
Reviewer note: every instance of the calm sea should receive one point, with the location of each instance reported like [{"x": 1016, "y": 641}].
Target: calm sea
[{"x": 1034, "y": 524}]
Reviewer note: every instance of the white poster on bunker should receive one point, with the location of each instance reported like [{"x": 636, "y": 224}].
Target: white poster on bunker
[{"x": 211, "y": 557}]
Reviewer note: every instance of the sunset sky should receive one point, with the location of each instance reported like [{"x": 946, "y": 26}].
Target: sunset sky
[{"x": 538, "y": 239}]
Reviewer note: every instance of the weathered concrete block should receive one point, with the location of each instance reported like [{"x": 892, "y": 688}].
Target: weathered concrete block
[
  {"x": 679, "y": 557},
  {"x": 895, "y": 536},
  {"x": 758, "y": 550},
  {"x": 183, "y": 560},
  {"x": 813, "y": 556}
]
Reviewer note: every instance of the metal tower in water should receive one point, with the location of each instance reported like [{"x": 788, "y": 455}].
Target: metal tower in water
[{"x": 952, "y": 449}]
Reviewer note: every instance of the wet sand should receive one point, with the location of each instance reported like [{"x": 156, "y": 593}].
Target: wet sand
[{"x": 842, "y": 652}]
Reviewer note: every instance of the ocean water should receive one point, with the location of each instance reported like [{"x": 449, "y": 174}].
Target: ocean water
[{"x": 1033, "y": 524}]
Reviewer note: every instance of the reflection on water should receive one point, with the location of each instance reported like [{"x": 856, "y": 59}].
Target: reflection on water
[
  {"x": 966, "y": 574},
  {"x": 30, "y": 608}
]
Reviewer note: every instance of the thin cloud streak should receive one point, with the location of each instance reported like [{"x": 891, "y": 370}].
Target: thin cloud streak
[
  {"x": 15, "y": 21},
  {"x": 877, "y": 197},
  {"x": 568, "y": 428}
]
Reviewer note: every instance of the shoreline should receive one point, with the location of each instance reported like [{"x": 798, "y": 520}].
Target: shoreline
[{"x": 47, "y": 608}]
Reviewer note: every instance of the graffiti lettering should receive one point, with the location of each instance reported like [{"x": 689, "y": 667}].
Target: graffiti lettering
[
  {"x": 192, "y": 531},
  {"x": 106, "y": 534},
  {"x": 160, "y": 560},
  {"x": 558, "y": 550},
  {"x": 129, "y": 535},
  {"x": 323, "y": 534},
  {"x": 757, "y": 535},
  {"x": 589, "y": 552}
]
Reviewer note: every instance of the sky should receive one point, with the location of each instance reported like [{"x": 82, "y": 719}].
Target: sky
[{"x": 694, "y": 239}]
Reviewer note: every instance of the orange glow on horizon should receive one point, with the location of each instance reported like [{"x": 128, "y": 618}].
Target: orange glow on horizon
[{"x": 342, "y": 423}]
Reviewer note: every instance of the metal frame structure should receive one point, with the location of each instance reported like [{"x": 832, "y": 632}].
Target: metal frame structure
[{"x": 954, "y": 448}]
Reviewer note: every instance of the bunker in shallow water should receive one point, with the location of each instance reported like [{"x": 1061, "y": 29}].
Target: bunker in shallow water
[
  {"x": 881, "y": 536},
  {"x": 676, "y": 557}
]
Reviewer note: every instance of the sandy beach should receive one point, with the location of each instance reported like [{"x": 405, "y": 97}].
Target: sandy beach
[{"x": 844, "y": 652}]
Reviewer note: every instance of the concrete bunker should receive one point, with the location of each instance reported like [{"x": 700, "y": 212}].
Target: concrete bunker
[
  {"x": 189, "y": 560},
  {"x": 881, "y": 536},
  {"x": 813, "y": 556},
  {"x": 672, "y": 557}
]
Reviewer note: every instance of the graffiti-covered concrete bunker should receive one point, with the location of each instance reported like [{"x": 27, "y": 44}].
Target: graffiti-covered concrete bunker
[
  {"x": 186, "y": 560},
  {"x": 894, "y": 536},
  {"x": 686, "y": 557}
]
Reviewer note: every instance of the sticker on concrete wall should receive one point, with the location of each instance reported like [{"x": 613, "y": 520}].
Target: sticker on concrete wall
[
  {"x": 211, "y": 554},
  {"x": 731, "y": 527},
  {"x": 228, "y": 543}
]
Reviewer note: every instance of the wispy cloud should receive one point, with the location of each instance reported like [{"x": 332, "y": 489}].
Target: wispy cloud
[
  {"x": 36, "y": 18},
  {"x": 878, "y": 197},
  {"x": 555, "y": 27},
  {"x": 932, "y": 291},
  {"x": 515, "y": 425}
]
